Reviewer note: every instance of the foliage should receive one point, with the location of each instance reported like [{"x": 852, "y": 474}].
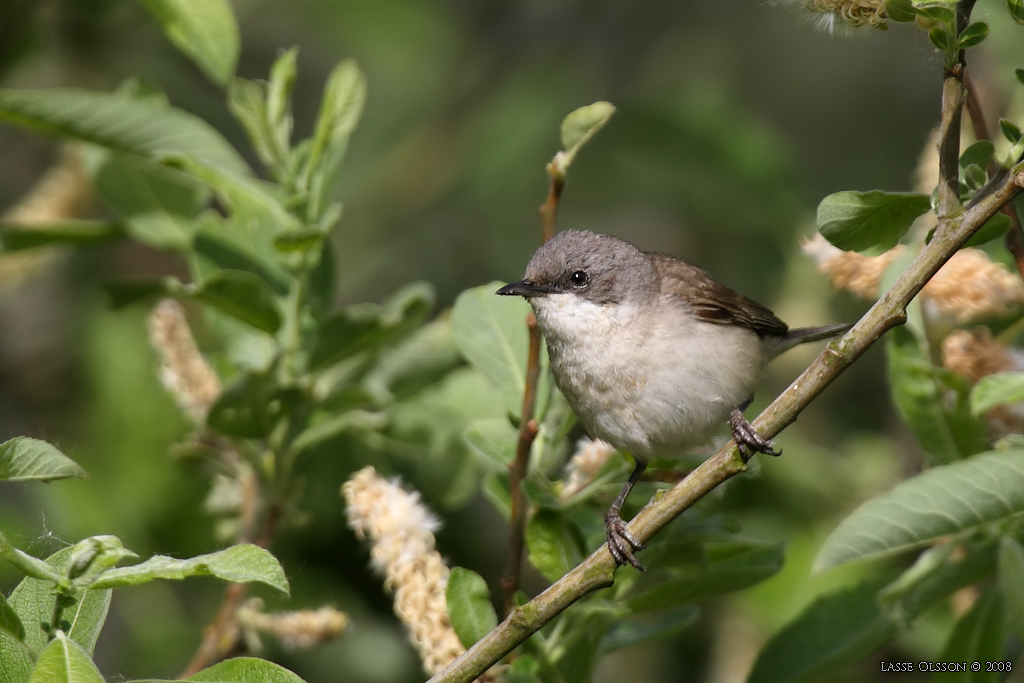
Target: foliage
[{"x": 440, "y": 399}]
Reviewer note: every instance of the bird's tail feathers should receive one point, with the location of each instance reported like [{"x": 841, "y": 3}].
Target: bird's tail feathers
[{"x": 802, "y": 335}]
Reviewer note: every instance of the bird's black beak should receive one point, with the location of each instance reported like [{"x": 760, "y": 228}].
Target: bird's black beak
[{"x": 524, "y": 288}]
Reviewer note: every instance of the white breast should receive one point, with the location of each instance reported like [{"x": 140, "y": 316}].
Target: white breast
[{"x": 646, "y": 382}]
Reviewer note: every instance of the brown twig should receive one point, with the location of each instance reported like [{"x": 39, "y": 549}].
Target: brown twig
[{"x": 527, "y": 425}]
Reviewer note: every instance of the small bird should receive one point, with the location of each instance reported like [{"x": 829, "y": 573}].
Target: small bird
[{"x": 650, "y": 352}]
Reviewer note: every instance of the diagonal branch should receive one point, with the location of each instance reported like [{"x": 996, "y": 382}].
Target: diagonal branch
[{"x": 889, "y": 311}]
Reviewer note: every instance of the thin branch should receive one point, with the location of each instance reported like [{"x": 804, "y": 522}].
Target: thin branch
[{"x": 527, "y": 425}]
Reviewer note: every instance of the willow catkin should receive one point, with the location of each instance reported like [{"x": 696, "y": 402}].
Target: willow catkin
[{"x": 183, "y": 370}]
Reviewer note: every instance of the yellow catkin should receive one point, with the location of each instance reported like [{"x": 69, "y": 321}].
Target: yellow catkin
[
  {"x": 298, "y": 630},
  {"x": 62, "y": 192},
  {"x": 853, "y": 12},
  {"x": 968, "y": 287},
  {"x": 183, "y": 370},
  {"x": 586, "y": 462},
  {"x": 402, "y": 532}
]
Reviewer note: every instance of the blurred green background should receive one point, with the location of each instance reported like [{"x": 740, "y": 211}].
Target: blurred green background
[{"x": 735, "y": 118}]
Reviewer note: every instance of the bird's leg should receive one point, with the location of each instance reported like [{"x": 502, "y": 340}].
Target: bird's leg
[
  {"x": 747, "y": 439},
  {"x": 621, "y": 542}
]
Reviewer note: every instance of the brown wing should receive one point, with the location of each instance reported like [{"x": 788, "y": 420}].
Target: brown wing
[{"x": 714, "y": 302}]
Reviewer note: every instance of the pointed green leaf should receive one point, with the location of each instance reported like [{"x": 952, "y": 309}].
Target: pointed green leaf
[
  {"x": 902, "y": 11},
  {"x": 1019, "y": 73},
  {"x": 495, "y": 440},
  {"x": 946, "y": 432},
  {"x": 205, "y": 30},
  {"x": 939, "y": 38},
  {"x": 64, "y": 661},
  {"x": 1010, "y": 130},
  {"x": 728, "y": 567},
  {"x": 344, "y": 97},
  {"x": 248, "y": 102},
  {"x": 121, "y": 123},
  {"x": 1016, "y": 8},
  {"x": 834, "y": 631},
  {"x": 490, "y": 331},
  {"x": 978, "y": 153},
  {"x": 997, "y": 389},
  {"x": 580, "y": 126},
  {"x": 553, "y": 548},
  {"x": 72, "y": 233},
  {"x": 973, "y": 34},
  {"x": 26, "y": 459},
  {"x": 1011, "y": 583},
  {"x": 870, "y": 222},
  {"x": 10, "y": 624},
  {"x": 33, "y": 599},
  {"x": 239, "y": 563},
  {"x": 157, "y": 204},
  {"x": 643, "y": 629},
  {"x": 29, "y": 565},
  {"x": 938, "y": 502},
  {"x": 243, "y": 296},
  {"x": 279, "y": 96},
  {"x": 977, "y": 637},
  {"x": 469, "y": 606},
  {"x": 362, "y": 327},
  {"x": 245, "y": 670},
  {"x": 299, "y": 240}
]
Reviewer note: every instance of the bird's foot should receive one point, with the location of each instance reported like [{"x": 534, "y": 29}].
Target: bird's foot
[
  {"x": 747, "y": 439},
  {"x": 621, "y": 542}
]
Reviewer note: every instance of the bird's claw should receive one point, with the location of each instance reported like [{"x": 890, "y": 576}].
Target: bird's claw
[
  {"x": 621, "y": 542},
  {"x": 748, "y": 441}
]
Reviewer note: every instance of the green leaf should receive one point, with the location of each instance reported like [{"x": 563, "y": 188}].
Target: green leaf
[
  {"x": 127, "y": 292},
  {"x": 122, "y": 123},
  {"x": 977, "y": 637},
  {"x": 1019, "y": 73},
  {"x": 249, "y": 405},
  {"x": 495, "y": 488},
  {"x": 242, "y": 563},
  {"x": 993, "y": 228},
  {"x": 10, "y": 624},
  {"x": 490, "y": 331},
  {"x": 580, "y": 126},
  {"x": 729, "y": 567},
  {"x": 245, "y": 670},
  {"x": 248, "y": 102},
  {"x": 834, "y": 631},
  {"x": 938, "y": 11},
  {"x": 939, "y": 38},
  {"x": 336, "y": 425},
  {"x": 1010, "y": 130},
  {"x": 495, "y": 440},
  {"x": 344, "y": 97},
  {"x": 241, "y": 295},
  {"x": 973, "y": 34},
  {"x": 367, "y": 326},
  {"x": 73, "y": 233},
  {"x": 978, "y": 153},
  {"x": 1011, "y": 583},
  {"x": 33, "y": 599},
  {"x": 205, "y": 30},
  {"x": 299, "y": 240},
  {"x": 469, "y": 606},
  {"x": 945, "y": 434},
  {"x": 553, "y": 547},
  {"x": 995, "y": 390},
  {"x": 26, "y": 459},
  {"x": 870, "y": 222},
  {"x": 901, "y": 11},
  {"x": 29, "y": 565},
  {"x": 636, "y": 630},
  {"x": 157, "y": 204},
  {"x": 1016, "y": 8},
  {"x": 938, "y": 502},
  {"x": 279, "y": 94},
  {"x": 64, "y": 661}
]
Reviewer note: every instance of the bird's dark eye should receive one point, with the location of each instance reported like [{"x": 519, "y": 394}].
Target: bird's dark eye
[{"x": 579, "y": 279}]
